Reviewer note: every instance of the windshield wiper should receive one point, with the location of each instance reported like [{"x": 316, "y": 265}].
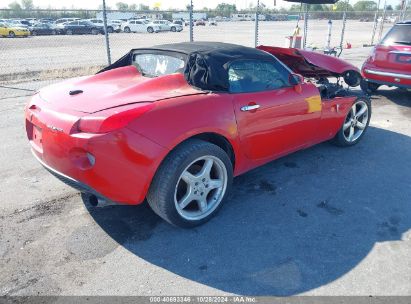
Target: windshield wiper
[{"x": 403, "y": 42}]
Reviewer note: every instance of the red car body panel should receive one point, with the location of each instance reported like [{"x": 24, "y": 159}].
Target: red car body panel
[
  {"x": 390, "y": 65},
  {"x": 119, "y": 165},
  {"x": 310, "y": 64}
]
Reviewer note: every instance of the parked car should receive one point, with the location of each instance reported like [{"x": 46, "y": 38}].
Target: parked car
[
  {"x": 174, "y": 130},
  {"x": 43, "y": 29},
  {"x": 65, "y": 20},
  {"x": 200, "y": 22},
  {"x": 80, "y": 27},
  {"x": 212, "y": 22},
  {"x": 179, "y": 21},
  {"x": 166, "y": 25},
  {"x": 140, "y": 26},
  {"x": 112, "y": 25},
  {"x": 19, "y": 23},
  {"x": 11, "y": 30},
  {"x": 390, "y": 61}
]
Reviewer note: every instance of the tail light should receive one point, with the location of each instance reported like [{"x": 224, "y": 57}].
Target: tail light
[{"x": 112, "y": 119}]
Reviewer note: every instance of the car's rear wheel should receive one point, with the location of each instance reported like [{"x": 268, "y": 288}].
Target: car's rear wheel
[
  {"x": 12, "y": 34},
  {"x": 173, "y": 29},
  {"x": 34, "y": 33},
  {"x": 69, "y": 32},
  {"x": 94, "y": 31},
  {"x": 150, "y": 30},
  {"x": 110, "y": 29},
  {"x": 53, "y": 32},
  {"x": 369, "y": 87},
  {"x": 191, "y": 184},
  {"x": 355, "y": 124},
  {"x": 127, "y": 29}
]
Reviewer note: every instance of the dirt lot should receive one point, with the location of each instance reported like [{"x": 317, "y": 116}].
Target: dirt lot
[
  {"x": 35, "y": 57},
  {"x": 323, "y": 221}
]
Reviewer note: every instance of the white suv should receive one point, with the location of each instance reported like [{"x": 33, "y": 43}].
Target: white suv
[
  {"x": 166, "y": 25},
  {"x": 140, "y": 26}
]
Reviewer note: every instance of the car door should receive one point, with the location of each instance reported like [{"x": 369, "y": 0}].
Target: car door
[
  {"x": 273, "y": 116},
  {"x": 84, "y": 27},
  {"x": 3, "y": 29}
]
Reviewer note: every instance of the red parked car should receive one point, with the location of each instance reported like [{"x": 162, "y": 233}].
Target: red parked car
[
  {"x": 174, "y": 123},
  {"x": 390, "y": 61}
]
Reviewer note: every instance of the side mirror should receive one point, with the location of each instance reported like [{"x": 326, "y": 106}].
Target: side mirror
[{"x": 296, "y": 80}]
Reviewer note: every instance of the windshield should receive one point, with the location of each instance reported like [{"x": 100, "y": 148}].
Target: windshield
[
  {"x": 153, "y": 65},
  {"x": 399, "y": 34}
]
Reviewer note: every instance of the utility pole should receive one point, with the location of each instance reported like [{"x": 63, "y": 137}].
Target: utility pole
[{"x": 106, "y": 32}]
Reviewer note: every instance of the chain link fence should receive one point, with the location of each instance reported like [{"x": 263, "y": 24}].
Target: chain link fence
[{"x": 63, "y": 54}]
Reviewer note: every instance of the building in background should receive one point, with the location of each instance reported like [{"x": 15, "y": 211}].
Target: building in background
[{"x": 186, "y": 16}]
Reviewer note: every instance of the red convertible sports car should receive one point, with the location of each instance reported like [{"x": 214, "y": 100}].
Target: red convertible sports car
[
  {"x": 390, "y": 62},
  {"x": 174, "y": 123}
]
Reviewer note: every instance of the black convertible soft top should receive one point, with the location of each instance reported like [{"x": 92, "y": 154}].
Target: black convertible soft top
[{"x": 206, "y": 63}]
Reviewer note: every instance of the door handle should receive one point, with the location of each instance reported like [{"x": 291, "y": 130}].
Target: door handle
[{"x": 250, "y": 108}]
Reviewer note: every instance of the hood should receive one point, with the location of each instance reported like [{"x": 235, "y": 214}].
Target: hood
[
  {"x": 310, "y": 64},
  {"x": 114, "y": 88}
]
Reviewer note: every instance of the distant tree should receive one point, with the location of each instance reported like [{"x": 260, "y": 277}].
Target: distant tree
[
  {"x": 27, "y": 4},
  {"x": 132, "y": 7},
  {"x": 121, "y": 6},
  {"x": 365, "y": 5},
  {"x": 389, "y": 7},
  {"x": 143, "y": 7},
  {"x": 341, "y": 6},
  {"x": 226, "y": 9},
  {"x": 15, "y": 6}
]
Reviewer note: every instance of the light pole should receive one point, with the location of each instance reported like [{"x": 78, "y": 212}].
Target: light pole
[{"x": 106, "y": 32}]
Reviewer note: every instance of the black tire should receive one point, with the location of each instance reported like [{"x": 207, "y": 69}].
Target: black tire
[
  {"x": 110, "y": 29},
  {"x": 150, "y": 30},
  {"x": 127, "y": 30},
  {"x": 163, "y": 186},
  {"x": 369, "y": 87},
  {"x": 69, "y": 32},
  {"x": 340, "y": 139},
  {"x": 34, "y": 33},
  {"x": 53, "y": 32},
  {"x": 173, "y": 29},
  {"x": 95, "y": 31},
  {"x": 12, "y": 34}
]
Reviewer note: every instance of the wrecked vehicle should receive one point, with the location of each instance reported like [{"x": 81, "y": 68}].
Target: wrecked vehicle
[{"x": 174, "y": 123}]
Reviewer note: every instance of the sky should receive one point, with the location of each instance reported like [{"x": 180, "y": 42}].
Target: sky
[{"x": 164, "y": 4}]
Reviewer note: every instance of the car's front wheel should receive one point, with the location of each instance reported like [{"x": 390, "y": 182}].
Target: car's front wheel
[
  {"x": 173, "y": 29},
  {"x": 355, "y": 124},
  {"x": 191, "y": 184},
  {"x": 150, "y": 30},
  {"x": 12, "y": 34},
  {"x": 127, "y": 29}
]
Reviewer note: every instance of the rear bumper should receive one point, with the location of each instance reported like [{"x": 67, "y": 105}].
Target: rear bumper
[
  {"x": 116, "y": 166},
  {"x": 70, "y": 181},
  {"x": 386, "y": 77}
]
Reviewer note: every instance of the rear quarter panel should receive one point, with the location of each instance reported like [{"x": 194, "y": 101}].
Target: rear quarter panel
[{"x": 174, "y": 120}]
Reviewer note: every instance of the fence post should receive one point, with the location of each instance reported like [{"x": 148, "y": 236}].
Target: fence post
[
  {"x": 382, "y": 20},
  {"x": 375, "y": 23},
  {"x": 106, "y": 32},
  {"x": 305, "y": 25},
  {"x": 191, "y": 22},
  {"x": 256, "y": 25}
]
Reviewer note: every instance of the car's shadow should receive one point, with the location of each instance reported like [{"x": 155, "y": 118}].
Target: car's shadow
[
  {"x": 398, "y": 96},
  {"x": 290, "y": 226}
]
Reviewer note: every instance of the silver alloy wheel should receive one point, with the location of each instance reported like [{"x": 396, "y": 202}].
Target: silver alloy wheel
[
  {"x": 200, "y": 188},
  {"x": 356, "y": 121}
]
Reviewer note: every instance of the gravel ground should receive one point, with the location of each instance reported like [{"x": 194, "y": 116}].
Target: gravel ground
[
  {"x": 323, "y": 221},
  {"x": 39, "y": 57}
]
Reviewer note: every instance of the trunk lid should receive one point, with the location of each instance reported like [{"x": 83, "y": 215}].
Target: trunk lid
[
  {"x": 113, "y": 88},
  {"x": 393, "y": 57}
]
